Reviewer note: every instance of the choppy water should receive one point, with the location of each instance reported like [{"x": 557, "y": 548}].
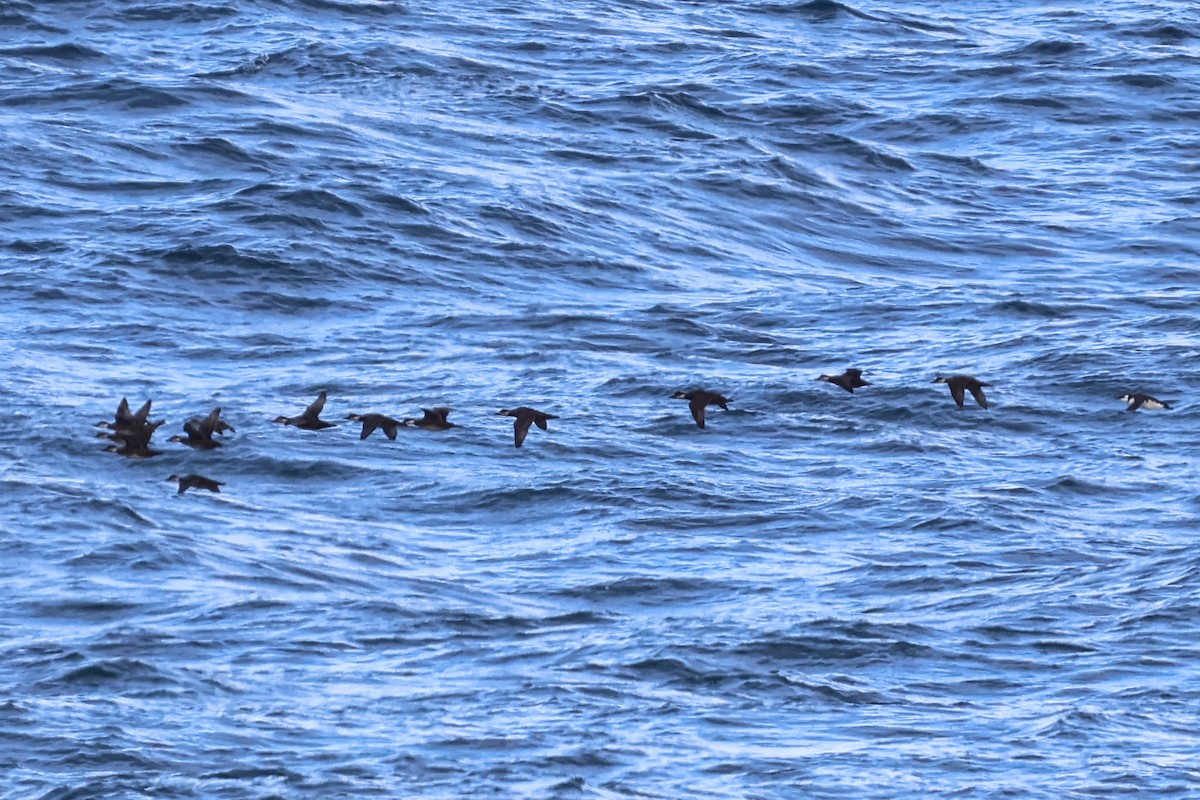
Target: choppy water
[{"x": 585, "y": 207}]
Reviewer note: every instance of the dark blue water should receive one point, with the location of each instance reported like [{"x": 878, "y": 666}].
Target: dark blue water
[{"x": 584, "y": 207}]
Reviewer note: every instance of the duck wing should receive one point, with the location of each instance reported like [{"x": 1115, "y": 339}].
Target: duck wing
[
  {"x": 956, "y": 391},
  {"x": 697, "y": 406},
  {"x": 315, "y": 407},
  {"x": 521, "y": 428},
  {"x": 209, "y": 424},
  {"x": 977, "y": 393}
]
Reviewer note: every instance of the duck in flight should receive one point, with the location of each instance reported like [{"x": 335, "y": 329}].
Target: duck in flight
[
  {"x": 309, "y": 419},
  {"x": 200, "y": 431},
  {"x": 196, "y": 482},
  {"x": 698, "y": 399},
  {"x": 960, "y": 384},
  {"x": 125, "y": 420},
  {"x": 849, "y": 380},
  {"x": 1138, "y": 400},
  {"x": 434, "y": 419},
  {"x": 372, "y": 421},
  {"x": 524, "y": 417},
  {"x": 131, "y": 432}
]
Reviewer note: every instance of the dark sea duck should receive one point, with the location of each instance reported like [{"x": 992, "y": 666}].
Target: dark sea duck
[
  {"x": 1138, "y": 400},
  {"x": 131, "y": 432},
  {"x": 196, "y": 482},
  {"x": 200, "y": 432},
  {"x": 125, "y": 420},
  {"x": 523, "y": 418},
  {"x": 433, "y": 419},
  {"x": 849, "y": 380},
  {"x": 372, "y": 421},
  {"x": 698, "y": 400},
  {"x": 960, "y": 384},
  {"x": 310, "y": 418}
]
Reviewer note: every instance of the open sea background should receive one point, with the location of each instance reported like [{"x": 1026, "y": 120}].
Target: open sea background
[{"x": 584, "y": 207}]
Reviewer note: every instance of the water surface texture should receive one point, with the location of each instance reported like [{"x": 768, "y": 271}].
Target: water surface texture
[{"x": 584, "y": 207}]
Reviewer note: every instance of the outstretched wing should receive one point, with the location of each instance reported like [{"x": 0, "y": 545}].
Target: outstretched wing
[
  {"x": 521, "y": 429},
  {"x": 368, "y": 429},
  {"x": 956, "y": 391},
  {"x": 977, "y": 393},
  {"x": 316, "y": 407},
  {"x": 142, "y": 414},
  {"x": 697, "y": 407},
  {"x": 209, "y": 423}
]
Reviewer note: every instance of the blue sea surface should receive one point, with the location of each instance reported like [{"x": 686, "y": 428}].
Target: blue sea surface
[{"x": 585, "y": 207}]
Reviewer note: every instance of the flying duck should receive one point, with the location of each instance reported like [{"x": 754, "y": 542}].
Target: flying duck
[
  {"x": 964, "y": 383},
  {"x": 309, "y": 419},
  {"x": 372, "y": 421},
  {"x": 524, "y": 418},
  {"x": 1138, "y": 400},
  {"x": 196, "y": 482},
  {"x": 434, "y": 419},
  {"x": 698, "y": 399},
  {"x": 200, "y": 432},
  {"x": 849, "y": 380}
]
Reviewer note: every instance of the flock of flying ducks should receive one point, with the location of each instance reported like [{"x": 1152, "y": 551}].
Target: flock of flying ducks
[{"x": 131, "y": 431}]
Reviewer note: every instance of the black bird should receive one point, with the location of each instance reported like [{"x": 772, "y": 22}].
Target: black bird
[
  {"x": 196, "y": 482},
  {"x": 964, "y": 383},
  {"x": 309, "y": 419},
  {"x": 200, "y": 432},
  {"x": 134, "y": 442},
  {"x": 849, "y": 380},
  {"x": 131, "y": 432},
  {"x": 434, "y": 419},
  {"x": 698, "y": 399},
  {"x": 124, "y": 418},
  {"x": 372, "y": 421},
  {"x": 524, "y": 418},
  {"x": 1141, "y": 400},
  {"x": 126, "y": 422},
  {"x": 132, "y": 449}
]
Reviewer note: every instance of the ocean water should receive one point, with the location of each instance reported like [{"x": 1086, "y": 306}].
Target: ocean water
[{"x": 585, "y": 207}]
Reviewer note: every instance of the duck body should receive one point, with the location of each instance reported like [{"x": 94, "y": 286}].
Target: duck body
[
  {"x": 698, "y": 400},
  {"x": 131, "y": 432},
  {"x": 372, "y": 421},
  {"x": 132, "y": 450},
  {"x": 960, "y": 385},
  {"x": 1138, "y": 400},
  {"x": 310, "y": 418},
  {"x": 200, "y": 431},
  {"x": 523, "y": 418},
  {"x": 849, "y": 380},
  {"x": 196, "y": 482},
  {"x": 434, "y": 419}
]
